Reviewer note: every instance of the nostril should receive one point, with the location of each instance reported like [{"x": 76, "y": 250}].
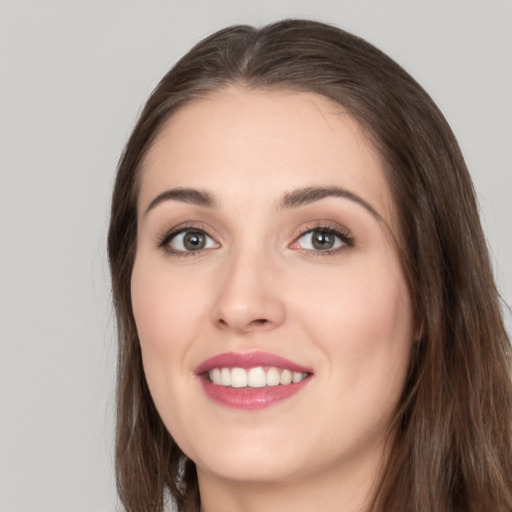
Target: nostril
[
  {"x": 258, "y": 323},
  {"x": 247, "y": 326}
]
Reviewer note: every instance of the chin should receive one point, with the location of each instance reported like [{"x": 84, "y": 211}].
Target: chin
[
  {"x": 258, "y": 469},
  {"x": 247, "y": 460}
]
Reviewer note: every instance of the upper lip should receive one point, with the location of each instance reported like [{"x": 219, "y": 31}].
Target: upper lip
[{"x": 249, "y": 360}]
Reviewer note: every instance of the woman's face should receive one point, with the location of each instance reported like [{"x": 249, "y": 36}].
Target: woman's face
[{"x": 264, "y": 255}]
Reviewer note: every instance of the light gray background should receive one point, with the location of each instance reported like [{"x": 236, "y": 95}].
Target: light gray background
[{"x": 74, "y": 75}]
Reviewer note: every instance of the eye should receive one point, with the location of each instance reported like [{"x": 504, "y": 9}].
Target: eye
[
  {"x": 326, "y": 239},
  {"x": 189, "y": 240}
]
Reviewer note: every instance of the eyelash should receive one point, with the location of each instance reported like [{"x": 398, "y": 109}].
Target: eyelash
[
  {"x": 344, "y": 236},
  {"x": 165, "y": 240}
]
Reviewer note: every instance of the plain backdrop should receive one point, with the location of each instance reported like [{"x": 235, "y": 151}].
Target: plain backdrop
[{"x": 73, "y": 76}]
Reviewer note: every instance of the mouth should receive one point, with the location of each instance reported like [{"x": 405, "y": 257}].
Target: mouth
[{"x": 251, "y": 380}]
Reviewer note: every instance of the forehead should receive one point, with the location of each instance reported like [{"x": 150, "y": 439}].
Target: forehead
[{"x": 264, "y": 143}]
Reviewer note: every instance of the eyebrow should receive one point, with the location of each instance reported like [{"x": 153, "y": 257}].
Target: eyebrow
[
  {"x": 292, "y": 199},
  {"x": 307, "y": 195},
  {"x": 184, "y": 195}
]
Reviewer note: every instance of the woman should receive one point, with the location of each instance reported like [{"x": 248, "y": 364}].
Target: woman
[{"x": 307, "y": 317}]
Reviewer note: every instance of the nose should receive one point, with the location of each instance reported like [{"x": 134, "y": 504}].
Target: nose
[{"x": 248, "y": 298}]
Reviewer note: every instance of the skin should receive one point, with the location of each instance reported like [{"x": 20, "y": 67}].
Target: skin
[{"x": 260, "y": 285}]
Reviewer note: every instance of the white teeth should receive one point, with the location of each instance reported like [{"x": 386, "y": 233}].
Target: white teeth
[
  {"x": 273, "y": 377},
  {"x": 256, "y": 377},
  {"x": 286, "y": 377},
  {"x": 215, "y": 376},
  {"x": 225, "y": 377},
  {"x": 297, "y": 376},
  {"x": 238, "y": 378}
]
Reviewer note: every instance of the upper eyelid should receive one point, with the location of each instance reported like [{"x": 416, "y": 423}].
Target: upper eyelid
[
  {"x": 325, "y": 226},
  {"x": 167, "y": 235},
  {"x": 189, "y": 226}
]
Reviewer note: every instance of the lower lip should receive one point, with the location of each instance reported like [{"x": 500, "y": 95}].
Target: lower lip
[{"x": 251, "y": 398}]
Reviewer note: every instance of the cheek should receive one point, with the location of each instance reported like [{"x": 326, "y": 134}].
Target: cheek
[
  {"x": 165, "y": 314},
  {"x": 362, "y": 322},
  {"x": 164, "y": 324},
  {"x": 165, "y": 308}
]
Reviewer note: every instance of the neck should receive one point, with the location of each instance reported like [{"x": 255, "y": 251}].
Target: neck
[{"x": 328, "y": 491}]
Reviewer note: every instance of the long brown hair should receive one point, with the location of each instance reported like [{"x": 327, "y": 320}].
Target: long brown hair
[{"x": 451, "y": 445}]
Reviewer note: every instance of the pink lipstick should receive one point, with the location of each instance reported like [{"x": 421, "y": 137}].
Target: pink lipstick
[{"x": 251, "y": 380}]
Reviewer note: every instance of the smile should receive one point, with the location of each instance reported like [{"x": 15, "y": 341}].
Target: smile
[{"x": 251, "y": 380}]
